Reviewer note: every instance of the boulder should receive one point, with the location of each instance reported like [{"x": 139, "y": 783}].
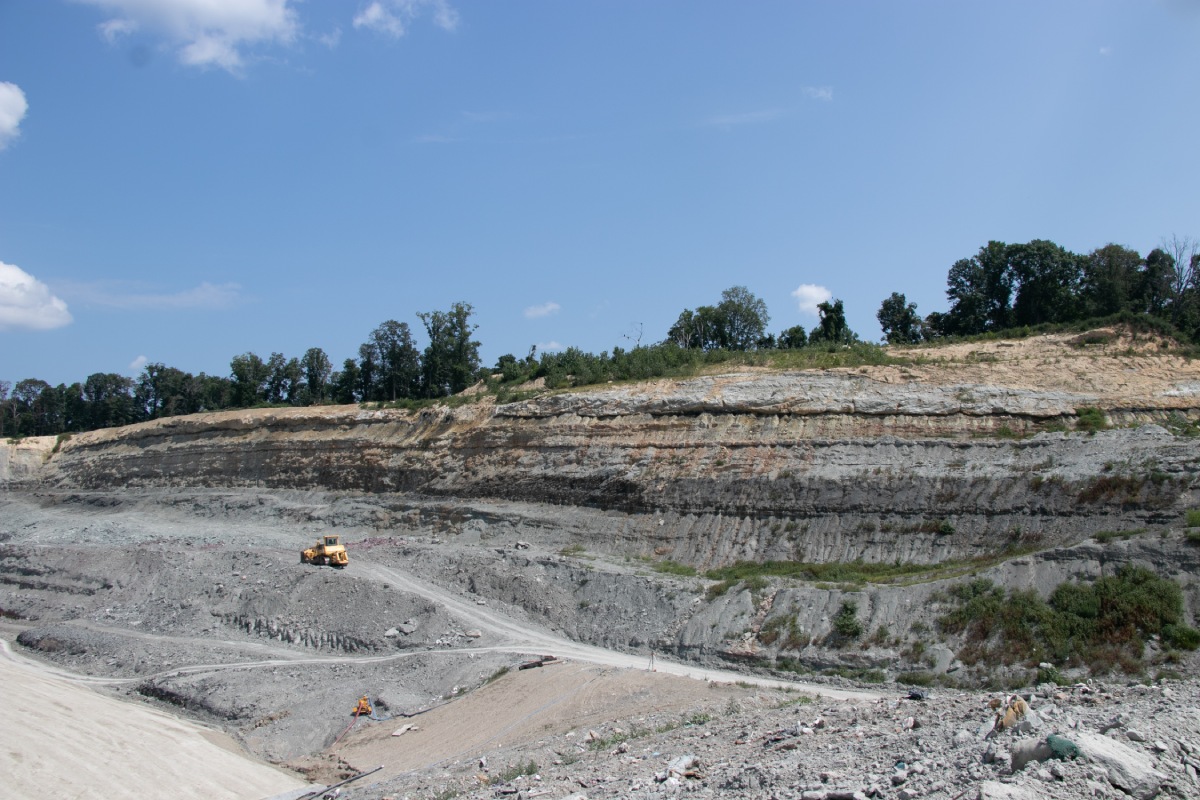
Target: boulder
[{"x": 1128, "y": 770}]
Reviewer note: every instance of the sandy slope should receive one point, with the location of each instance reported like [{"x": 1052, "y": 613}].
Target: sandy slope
[{"x": 64, "y": 740}]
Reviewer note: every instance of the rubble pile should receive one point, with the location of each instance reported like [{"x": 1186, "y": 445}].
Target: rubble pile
[{"x": 1091, "y": 740}]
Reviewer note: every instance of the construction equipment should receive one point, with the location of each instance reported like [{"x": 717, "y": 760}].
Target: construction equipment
[
  {"x": 363, "y": 708},
  {"x": 328, "y": 550}
]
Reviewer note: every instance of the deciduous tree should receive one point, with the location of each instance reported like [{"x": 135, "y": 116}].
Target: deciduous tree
[{"x": 899, "y": 320}]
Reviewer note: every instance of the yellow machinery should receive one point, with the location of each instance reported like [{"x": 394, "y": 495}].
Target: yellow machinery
[
  {"x": 363, "y": 708},
  {"x": 328, "y": 550}
]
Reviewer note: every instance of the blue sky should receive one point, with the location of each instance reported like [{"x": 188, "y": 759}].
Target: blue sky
[{"x": 182, "y": 181}]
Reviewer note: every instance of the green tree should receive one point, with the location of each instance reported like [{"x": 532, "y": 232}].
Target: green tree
[
  {"x": 1048, "y": 278},
  {"x": 398, "y": 359},
  {"x": 110, "y": 401},
  {"x": 213, "y": 392},
  {"x": 317, "y": 369},
  {"x": 164, "y": 391},
  {"x": 743, "y": 317},
  {"x": 738, "y": 322},
  {"x": 451, "y": 359},
  {"x": 980, "y": 291},
  {"x": 368, "y": 372},
  {"x": 1110, "y": 281},
  {"x": 792, "y": 338},
  {"x": 1157, "y": 277},
  {"x": 899, "y": 320},
  {"x": 249, "y": 380},
  {"x": 832, "y": 328},
  {"x": 346, "y": 383},
  {"x": 284, "y": 379},
  {"x": 6, "y": 408},
  {"x": 702, "y": 329}
]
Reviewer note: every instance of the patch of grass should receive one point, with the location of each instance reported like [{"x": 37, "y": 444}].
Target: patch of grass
[
  {"x": 497, "y": 675},
  {"x": 514, "y": 771},
  {"x": 860, "y": 675},
  {"x": 573, "y": 550},
  {"x": 1104, "y": 537},
  {"x": 830, "y": 572},
  {"x": 1192, "y": 518},
  {"x": 669, "y": 567},
  {"x": 916, "y": 678},
  {"x": 798, "y": 700}
]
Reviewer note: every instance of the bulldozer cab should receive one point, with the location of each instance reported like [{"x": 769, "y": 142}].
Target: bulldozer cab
[{"x": 331, "y": 541}]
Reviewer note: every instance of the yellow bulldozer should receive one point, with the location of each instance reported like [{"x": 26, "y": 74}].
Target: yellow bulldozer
[{"x": 328, "y": 550}]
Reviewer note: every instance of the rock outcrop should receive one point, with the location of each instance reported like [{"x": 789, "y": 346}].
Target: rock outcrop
[{"x": 878, "y": 463}]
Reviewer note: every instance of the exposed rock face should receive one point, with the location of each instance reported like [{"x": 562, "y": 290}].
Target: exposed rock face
[
  {"x": 805, "y": 466},
  {"x": 22, "y": 461}
]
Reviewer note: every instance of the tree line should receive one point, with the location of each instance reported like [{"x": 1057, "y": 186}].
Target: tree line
[
  {"x": 1003, "y": 286},
  {"x": 389, "y": 368},
  {"x": 1006, "y": 286}
]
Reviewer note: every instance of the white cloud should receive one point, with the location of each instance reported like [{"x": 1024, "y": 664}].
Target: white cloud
[
  {"x": 205, "y": 296},
  {"x": 137, "y": 364},
  {"x": 207, "y": 33},
  {"x": 114, "y": 29},
  {"x": 544, "y": 310},
  {"x": 27, "y": 303},
  {"x": 818, "y": 92},
  {"x": 12, "y": 110},
  {"x": 747, "y": 118},
  {"x": 331, "y": 39},
  {"x": 809, "y": 295},
  {"x": 550, "y": 347},
  {"x": 393, "y": 17}
]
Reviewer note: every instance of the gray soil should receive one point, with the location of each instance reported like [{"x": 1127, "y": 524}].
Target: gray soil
[{"x": 196, "y": 601}]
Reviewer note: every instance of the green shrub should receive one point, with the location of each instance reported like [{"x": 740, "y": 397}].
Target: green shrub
[
  {"x": 1090, "y": 419},
  {"x": 1193, "y": 518},
  {"x": 846, "y": 623},
  {"x": 1181, "y": 637},
  {"x": 717, "y": 589},
  {"x": 1104, "y": 624},
  {"x": 784, "y": 630},
  {"x": 1051, "y": 675}
]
